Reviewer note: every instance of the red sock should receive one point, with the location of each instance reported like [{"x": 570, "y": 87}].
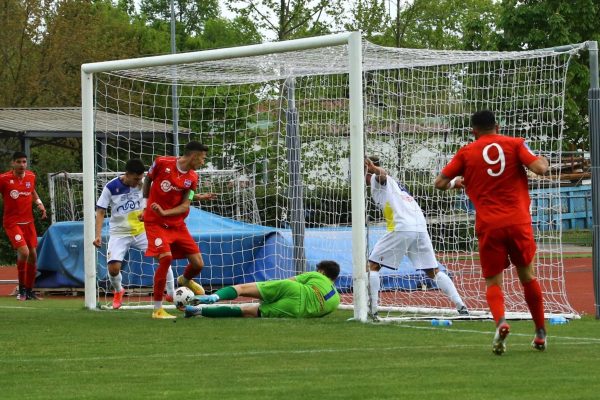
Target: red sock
[
  {"x": 535, "y": 302},
  {"x": 190, "y": 272},
  {"x": 160, "y": 277},
  {"x": 30, "y": 271},
  {"x": 495, "y": 299},
  {"x": 21, "y": 266}
]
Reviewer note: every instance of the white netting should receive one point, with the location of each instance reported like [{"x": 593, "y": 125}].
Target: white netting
[{"x": 417, "y": 105}]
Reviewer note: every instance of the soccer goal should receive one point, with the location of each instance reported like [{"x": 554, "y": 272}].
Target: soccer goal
[{"x": 297, "y": 118}]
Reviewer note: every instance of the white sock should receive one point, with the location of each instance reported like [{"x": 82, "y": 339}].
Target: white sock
[
  {"x": 170, "y": 282},
  {"x": 115, "y": 281},
  {"x": 157, "y": 305},
  {"x": 374, "y": 286},
  {"x": 446, "y": 285}
]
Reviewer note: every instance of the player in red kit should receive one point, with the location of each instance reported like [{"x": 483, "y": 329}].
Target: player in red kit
[
  {"x": 18, "y": 192},
  {"x": 168, "y": 188},
  {"x": 495, "y": 179}
]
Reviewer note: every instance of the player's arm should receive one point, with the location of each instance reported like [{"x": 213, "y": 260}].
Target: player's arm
[
  {"x": 40, "y": 205},
  {"x": 539, "y": 166},
  {"x": 180, "y": 209},
  {"x": 204, "y": 196},
  {"x": 145, "y": 195},
  {"x": 100, "y": 213},
  {"x": 380, "y": 173},
  {"x": 442, "y": 182}
]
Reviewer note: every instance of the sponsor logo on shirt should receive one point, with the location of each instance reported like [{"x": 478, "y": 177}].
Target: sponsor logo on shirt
[
  {"x": 15, "y": 194},
  {"x": 165, "y": 186}
]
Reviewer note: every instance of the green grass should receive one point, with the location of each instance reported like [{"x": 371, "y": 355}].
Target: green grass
[
  {"x": 582, "y": 237},
  {"x": 55, "y": 349}
]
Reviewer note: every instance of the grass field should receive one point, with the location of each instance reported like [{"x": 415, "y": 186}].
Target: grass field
[{"x": 55, "y": 349}]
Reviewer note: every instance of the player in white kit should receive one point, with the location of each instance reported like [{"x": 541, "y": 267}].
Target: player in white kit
[
  {"x": 406, "y": 236},
  {"x": 123, "y": 195}
]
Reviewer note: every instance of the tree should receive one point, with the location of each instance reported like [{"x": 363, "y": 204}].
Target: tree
[
  {"x": 534, "y": 24},
  {"x": 21, "y": 32},
  {"x": 191, "y": 15},
  {"x": 289, "y": 19}
]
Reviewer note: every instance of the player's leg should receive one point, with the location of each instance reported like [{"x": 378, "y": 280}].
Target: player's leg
[
  {"x": 422, "y": 255},
  {"x": 115, "y": 253},
  {"x": 246, "y": 311},
  {"x": 140, "y": 242},
  {"x": 230, "y": 293},
  {"x": 22, "y": 256},
  {"x": 17, "y": 240},
  {"x": 185, "y": 244},
  {"x": 388, "y": 252},
  {"x": 30, "y": 236},
  {"x": 159, "y": 246},
  {"x": 493, "y": 255},
  {"x": 374, "y": 287},
  {"x": 522, "y": 252}
]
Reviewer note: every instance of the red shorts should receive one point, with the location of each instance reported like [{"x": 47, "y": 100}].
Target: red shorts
[
  {"x": 170, "y": 239},
  {"x": 22, "y": 235},
  {"x": 498, "y": 248}
]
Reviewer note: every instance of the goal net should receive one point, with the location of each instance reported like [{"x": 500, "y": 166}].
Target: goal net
[{"x": 283, "y": 120}]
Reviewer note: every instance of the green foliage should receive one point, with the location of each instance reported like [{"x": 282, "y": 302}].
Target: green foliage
[{"x": 542, "y": 24}]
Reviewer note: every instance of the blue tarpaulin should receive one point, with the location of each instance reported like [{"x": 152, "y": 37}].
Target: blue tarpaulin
[{"x": 233, "y": 252}]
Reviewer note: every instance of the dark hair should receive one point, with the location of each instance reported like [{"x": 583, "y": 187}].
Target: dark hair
[
  {"x": 18, "y": 154},
  {"x": 135, "y": 166},
  {"x": 195, "y": 146},
  {"x": 375, "y": 160},
  {"x": 483, "y": 120},
  {"x": 330, "y": 268}
]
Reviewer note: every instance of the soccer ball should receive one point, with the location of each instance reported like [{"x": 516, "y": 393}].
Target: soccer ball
[{"x": 182, "y": 297}]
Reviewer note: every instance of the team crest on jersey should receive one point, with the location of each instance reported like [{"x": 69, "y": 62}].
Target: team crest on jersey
[
  {"x": 14, "y": 194},
  {"x": 12, "y": 182},
  {"x": 165, "y": 186},
  {"x": 187, "y": 183},
  {"x": 18, "y": 238},
  {"x": 28, "y": 185},
  {"x": 168, "y": 170}
]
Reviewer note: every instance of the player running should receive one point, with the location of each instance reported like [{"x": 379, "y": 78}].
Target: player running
[
  {"x": 308, "y": 295},
  {"x": 18, "y": 193},
  {"x": 494, "y": 177},
  {"x": 407, "y": 236},
  {"x": 123, "y": 195},
  {"x": 168, "y": 187}
]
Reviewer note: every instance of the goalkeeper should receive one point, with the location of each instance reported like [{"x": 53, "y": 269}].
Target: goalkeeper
[{"x": 308, "y": 295}]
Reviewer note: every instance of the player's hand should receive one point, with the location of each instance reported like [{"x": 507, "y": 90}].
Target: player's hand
[
  {"x": 205, "y": 196},
  {"x": 141, "y": 215},
  {"x": 158, "y": 209},
  {"x": 97, "y": 242},
  {"x": 43, "y": 210},
  {"x": 459, "y": 183}
]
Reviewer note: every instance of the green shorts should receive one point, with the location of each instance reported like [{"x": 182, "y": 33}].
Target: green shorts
[{"x": 280, "y": 299}]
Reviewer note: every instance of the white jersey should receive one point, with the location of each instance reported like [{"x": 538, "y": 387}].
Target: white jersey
[
  {"x": 401, "y": 211},
  {"x": 125, "y": 204}
]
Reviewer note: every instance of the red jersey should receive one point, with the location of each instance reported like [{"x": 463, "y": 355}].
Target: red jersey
[
  {"x": 495, "y": 179},
  {"x": 17, "y": 195},
  {"x": 169, "y": 185}
]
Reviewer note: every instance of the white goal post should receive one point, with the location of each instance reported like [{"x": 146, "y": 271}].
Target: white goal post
[
  {"x": 353, "y": 40},
  {"x": 298, "y": 117}
]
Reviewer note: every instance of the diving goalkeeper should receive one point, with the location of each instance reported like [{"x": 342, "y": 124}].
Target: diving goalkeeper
[{"x": 308, "y": 295}]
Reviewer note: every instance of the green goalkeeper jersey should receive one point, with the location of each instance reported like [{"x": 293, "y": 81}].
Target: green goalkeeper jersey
[{"x": 320, "y": 296}]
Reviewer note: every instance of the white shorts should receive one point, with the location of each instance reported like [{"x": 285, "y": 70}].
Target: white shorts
[
  {"x": 118, "y": 246},
  {"x": 393, "y": 246}
]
